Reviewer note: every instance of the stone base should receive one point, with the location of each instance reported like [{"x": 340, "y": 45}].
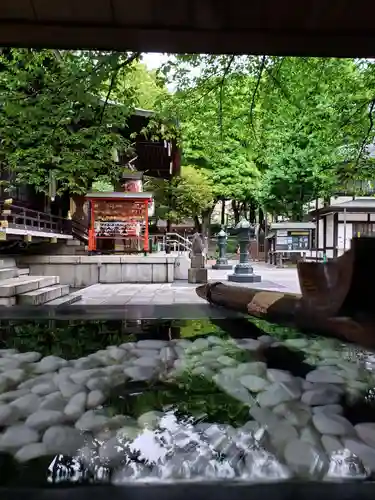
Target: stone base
[
  {"x": 244, "y": 278},
  {"x": 222, "y": 266},
  {"x": 197, "y": 275},
  {"x": 197, "y": 261}
]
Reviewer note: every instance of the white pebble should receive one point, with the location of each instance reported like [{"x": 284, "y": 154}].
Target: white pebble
[
  {"x": 7, "y": 413},
  {"x": 138, "y": 373},
  {"x": 95, "y": 398},
  {"x": 303, "y": 458},
  {"x": 274, "y": 375},
  {"x": 17, "y": 436},
  {"x": 28, "y": 357},
  {"x": 252, "y": 345},
  {"x": 146, "y": 362},
  {"x": 9, "y": 364},
  {"x": 44, "y": 418},
  {"x": 28, "y": 384},
  {"x": 44, "y": 389},
  {"x": 99, "y": 383},
  {"x": 150, "y": 419},
  {"x": 31, "y": 451},
  {"x": 294, "y": 412},
  {"x": 49, "y": 364},
  {"x": 11, "y": 395},
  {"x": 331, "y": 444},
  {"x": 26, "y": 405},
  {"x": 319, "y": 397},
  {"x": 76, "y": 406},
  {"x": 324, "y": 377},
  {"x": 54, "y": 401},
  {"x": 151, "y": 344},
  {"x": 144, "y": 353},
  {"x": 91, "y": 421},
  {"x": 266, "y": 339},
  {"x": 253, "y": 383},
  {"x": 364, "y": 452},
  {"x": 82, "y": 377},
  {"x": 328, "y": 409},
  {"x": 279, "y": 393},
  {"x": 63, "y": 440},
  {"x": 331, "y": 423},
  {"x": 69, "y": 389},
  {"x": 14, "y": 376},
  {"x": 366, "y": 431}
]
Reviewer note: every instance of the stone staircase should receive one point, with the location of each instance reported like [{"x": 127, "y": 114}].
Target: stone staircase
[{"x": 17, "y": 287}]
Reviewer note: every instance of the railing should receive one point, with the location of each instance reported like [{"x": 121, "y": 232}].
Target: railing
[
  {"x": 79, "y": 231},
  {"x": 18, "y": 217},
  {"x": 172, "y": 242}
]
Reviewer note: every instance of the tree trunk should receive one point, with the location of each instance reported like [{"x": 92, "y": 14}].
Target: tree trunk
[
  {"x": 262, "y": 221},
  {"x": 206, "y": 219},
  {"x": 197, "y": 224},
  {"x": 245, "y": 209},
  {"x": 223, "y": 212},
  {"x": 252, "y": 213},
  {"x": 236, "y": 212}
]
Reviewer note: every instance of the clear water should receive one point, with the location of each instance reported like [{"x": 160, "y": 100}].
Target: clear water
[{"x": 218, "y": 399}]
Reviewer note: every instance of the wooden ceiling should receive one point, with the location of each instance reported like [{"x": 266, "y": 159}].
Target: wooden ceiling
[{"x": 280, "y": 27}]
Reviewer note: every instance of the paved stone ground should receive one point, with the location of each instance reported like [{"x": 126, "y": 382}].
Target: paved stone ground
[{"x": 181, "y": 292}]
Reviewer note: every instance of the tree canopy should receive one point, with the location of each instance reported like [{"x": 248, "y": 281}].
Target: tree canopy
[
  {"x": 276, "y": 131},
  {"x": 56, "y": 120}
]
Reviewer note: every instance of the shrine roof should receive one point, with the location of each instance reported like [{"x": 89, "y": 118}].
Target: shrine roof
[
  {"x": 293, "y": 225},
  {"x": 120, "y": 195}
]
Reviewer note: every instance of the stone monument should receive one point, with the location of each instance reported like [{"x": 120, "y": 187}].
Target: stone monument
[{"x": 197, "y": 272}]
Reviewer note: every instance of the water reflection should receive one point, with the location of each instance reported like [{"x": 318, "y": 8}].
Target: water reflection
[{"x": 115, "y": 401}]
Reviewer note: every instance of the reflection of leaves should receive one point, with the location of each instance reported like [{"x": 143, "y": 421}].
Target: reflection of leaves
[
  {"x": 195, "y": 327},
  {"x": 277, "y": 331},
  {"x": 69, "y": 339},
  {"x": 189, "y": 395}
]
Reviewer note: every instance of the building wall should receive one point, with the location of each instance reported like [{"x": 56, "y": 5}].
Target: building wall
[
  {"x": 344, "y": 237},
  {"x": 329, "y": 230}
]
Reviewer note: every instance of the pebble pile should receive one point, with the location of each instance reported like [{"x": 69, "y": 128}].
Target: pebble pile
[{"x": 296, "y": 426}]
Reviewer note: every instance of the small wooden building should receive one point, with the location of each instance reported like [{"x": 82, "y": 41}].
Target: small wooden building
[
  {"x": 339, "y": 220},
  {"x": 119, "y": 222}
]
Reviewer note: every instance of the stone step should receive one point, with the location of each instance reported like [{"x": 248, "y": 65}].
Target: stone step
[
  {"x": 23, "y": 284},
  {"x": 66, "y": 300},
  {"x": 8, "y": 272},
  {"x": 7, "y": 262},
  {"x": 73, "y": 243},
  {"x": 23, "y": 271},
  {"x": 7, "y": 301},
  {"x": 42, "y": 295}
]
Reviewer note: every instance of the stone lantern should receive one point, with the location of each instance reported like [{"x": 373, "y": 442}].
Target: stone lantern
[
  {"x": 243, "y": 271},
  {"x": 222, "y": 261}
]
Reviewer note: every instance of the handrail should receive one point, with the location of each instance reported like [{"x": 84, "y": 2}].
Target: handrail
[
  {"x": 80, "y": 231},
  {"x": 174, "y": 235},
  {"x": 27, "y": 218}
]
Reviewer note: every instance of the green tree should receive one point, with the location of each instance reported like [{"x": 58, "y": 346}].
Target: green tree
[
  {"x": 145, "y": 85},
  {"x": 294, "y": 128},
  {"x": 189, "y": 195},
  {"x": 309, "y": 127},
  {"x": 212, "y": 118},
  {"x": 54, "y": 123}
]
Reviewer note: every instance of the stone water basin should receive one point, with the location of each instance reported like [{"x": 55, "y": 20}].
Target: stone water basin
[{"x": 118, "y": 402}]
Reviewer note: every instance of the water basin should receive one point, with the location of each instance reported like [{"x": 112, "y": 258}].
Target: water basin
[{"x": 135, "y": 402}]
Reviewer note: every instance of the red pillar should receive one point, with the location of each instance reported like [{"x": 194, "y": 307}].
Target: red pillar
[
  {"x": 92, "y": 237},
  {"x": 146, "y": 246}
]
